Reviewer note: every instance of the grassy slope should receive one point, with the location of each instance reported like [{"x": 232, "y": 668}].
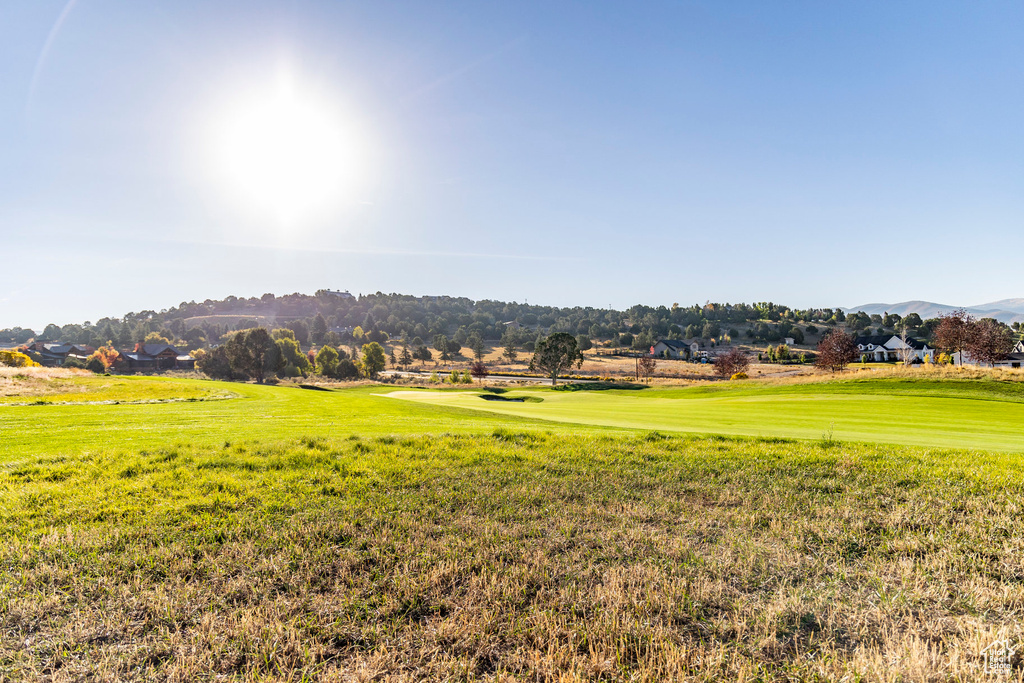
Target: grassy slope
[
  {"x": 953, "y": 414},
  {"x": 89, "y": 388},
  {"x": 285, "y": 535},
  {"x": 536, "y": 556},
  {"x": 260, "y": 412}
]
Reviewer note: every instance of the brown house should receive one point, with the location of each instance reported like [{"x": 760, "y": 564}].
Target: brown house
[{"x": 157, "y": 357}]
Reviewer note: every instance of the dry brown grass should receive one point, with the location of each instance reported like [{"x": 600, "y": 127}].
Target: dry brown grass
[
  {"x": 509, "y": 557},
  {"x": 38, "y": 381}
]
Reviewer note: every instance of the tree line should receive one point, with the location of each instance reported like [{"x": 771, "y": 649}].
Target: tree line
[{"x": 257, "y": 353}]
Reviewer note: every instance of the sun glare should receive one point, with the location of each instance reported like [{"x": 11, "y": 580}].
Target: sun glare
[{"x": 287, "y": 154}]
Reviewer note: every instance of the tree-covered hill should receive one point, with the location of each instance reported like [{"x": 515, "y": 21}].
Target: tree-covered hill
[{"x": 328, "y": 316}]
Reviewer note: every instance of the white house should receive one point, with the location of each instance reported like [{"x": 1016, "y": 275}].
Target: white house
[
  {"x": 885, "y": 347},
  {"x": 1015, "y": 359}
]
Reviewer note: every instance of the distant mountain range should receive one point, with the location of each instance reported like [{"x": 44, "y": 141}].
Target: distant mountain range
[{"x": 1005, "y": 310}]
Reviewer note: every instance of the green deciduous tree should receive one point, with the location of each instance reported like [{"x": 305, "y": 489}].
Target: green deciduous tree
[
  {"x": 554, "y": 354},
  {"x": 327, "y": 362},
  {"x": 374, "y": 359},
  {"x": 293, "y": 356},
  {"x": 252, "y": 353},
  {"x": 214, "y": 363}
]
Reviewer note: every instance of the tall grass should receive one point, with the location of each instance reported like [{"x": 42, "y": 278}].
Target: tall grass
[{"x": 513, "y": 555}]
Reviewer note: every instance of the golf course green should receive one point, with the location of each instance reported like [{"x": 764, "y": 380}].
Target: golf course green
[{"x": 943, "y": 413}]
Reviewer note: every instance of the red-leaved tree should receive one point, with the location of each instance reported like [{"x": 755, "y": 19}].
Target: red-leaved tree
[
  {"x": 645, "y": 367},
  {"x": 954, "y": 332},
  {"x": 988, "y": 341},
  {"x": 836, "y": 350},
  {"x": 729, "y": 363},
  {"x": 478, "y": 370}
]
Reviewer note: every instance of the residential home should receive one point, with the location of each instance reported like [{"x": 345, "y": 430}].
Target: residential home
[
  {"x": 889, "y": 347},
  {"x": 679, "y": 348},
  {"x": 1015, "y": 359},
  {"x": 147, "y": 357},
  {"x": 54, "y": 354}
]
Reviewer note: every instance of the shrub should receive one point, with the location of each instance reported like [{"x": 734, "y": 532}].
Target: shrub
[
  {"x": 16, "y": 359},
  {"x": 73, "y": 363},
  {"x": 434, "y": 378},
  {"x": 478, "y": 370},
  {"x": 347, "y": 369},
  {"x": 740, "y": 375},
  {"x": 731, "y": 363},
  {"x": 467, "y": 377},
  {"x": 94, "y": 364}
]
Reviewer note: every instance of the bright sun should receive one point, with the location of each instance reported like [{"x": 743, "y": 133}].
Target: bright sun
[{"x": 286, "y": 154}]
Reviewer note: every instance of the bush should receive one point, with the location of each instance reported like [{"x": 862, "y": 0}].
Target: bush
[
  {"x": 347, "y": 369},
  {"x": 740, "y": 375},
  {"x": 731, "y": 363},
  {"x": 434, "y": 378},
  {"x": 73, "y": 363},
  {"x": 16, "y": 359},
  {"x": 94, "y": 364}
]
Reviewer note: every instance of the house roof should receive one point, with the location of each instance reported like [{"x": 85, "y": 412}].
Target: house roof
[
  {"x": 675, "y": 343},
  {"x": 156, "y": 349},
  {"x": 874, "y": 340},
  {"x": 883, "y": 340},
  {"x": 60, "y": 348},
  {"x": 917, "y": 344}
]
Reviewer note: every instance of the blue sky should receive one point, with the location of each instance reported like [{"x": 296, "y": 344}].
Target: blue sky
[{"x": 816, "y": 154}]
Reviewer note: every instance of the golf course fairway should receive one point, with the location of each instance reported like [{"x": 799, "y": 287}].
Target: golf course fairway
[{"x": 944, "y": 414}]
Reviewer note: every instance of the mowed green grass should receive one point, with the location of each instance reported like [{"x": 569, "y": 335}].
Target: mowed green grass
[
  {"x": 926, "y": 412},
  {"x": 967, "y": 414},
  {"x": 257, "y": 412}
]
